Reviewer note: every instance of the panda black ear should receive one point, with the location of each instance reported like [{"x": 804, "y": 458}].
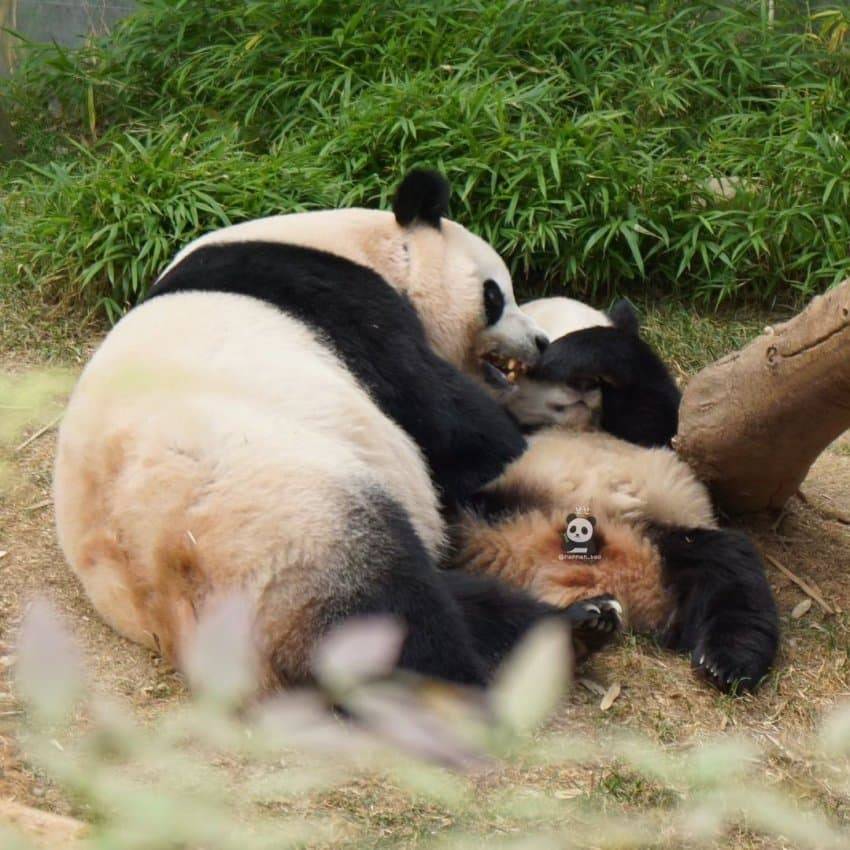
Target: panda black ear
[
  {"x": 571, "y": 517},
  {"x": 592, "y": 521},
  {"x": 422, "y": 196},
  {"x": 624, "y": 317}
]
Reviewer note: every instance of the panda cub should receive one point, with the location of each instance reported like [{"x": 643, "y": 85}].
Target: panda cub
[
  {"x": 599, "y": 373},
  {"x": 287, "y": 416},
  {"x": 597, "y": 477}
]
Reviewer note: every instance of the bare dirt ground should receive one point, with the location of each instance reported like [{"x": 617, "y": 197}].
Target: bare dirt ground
[{"x": 660, "y": 696}]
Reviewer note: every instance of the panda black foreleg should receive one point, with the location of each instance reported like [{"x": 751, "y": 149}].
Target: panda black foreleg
[
  {"x": 498, "y": 616},
  {"x": 725, "y": 615}
]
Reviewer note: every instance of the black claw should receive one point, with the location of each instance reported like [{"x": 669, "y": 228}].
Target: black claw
[{"x": 725, "y": 676}]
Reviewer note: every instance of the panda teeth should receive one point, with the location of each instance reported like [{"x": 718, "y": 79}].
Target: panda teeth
[{"x": 511, "y": 368}]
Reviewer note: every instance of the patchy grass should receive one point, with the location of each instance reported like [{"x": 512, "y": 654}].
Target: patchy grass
[
  {"x": 35, "y": 331},
  {"x": 688, "y": 338}
]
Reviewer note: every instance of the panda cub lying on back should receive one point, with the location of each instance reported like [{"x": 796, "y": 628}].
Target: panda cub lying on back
[{"x": 597, "y": 477}]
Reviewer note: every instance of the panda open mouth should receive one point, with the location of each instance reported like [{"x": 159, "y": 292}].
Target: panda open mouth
[{"x": 500, "y": 370}]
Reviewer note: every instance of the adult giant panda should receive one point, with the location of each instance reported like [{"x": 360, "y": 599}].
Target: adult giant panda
[
  {"x": 658, "y": 548},
  {"x": 282, "y": 417}
]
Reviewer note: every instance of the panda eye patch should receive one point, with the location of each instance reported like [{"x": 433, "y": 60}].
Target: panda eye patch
[{"x": 494, "y": 301}]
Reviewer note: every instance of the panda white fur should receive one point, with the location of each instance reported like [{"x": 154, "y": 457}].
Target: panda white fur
[
  {"x": 558, "y": 316},
  {"x": 285, "y": 416},
  {"x": 602, "y": 408}
]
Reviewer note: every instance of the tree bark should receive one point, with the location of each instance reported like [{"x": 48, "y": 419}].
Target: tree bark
[{"x": 752, "y": 424}]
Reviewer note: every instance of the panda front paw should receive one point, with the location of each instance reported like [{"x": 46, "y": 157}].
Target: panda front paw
[
  {"x": 625, "y": 502},
  {"x": 733, "y": 655},
  {"x": 594, "y": 623}
]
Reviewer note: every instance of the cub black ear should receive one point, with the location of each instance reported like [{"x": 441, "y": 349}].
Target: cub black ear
[
  {"x": 624, "y": 317},
  {"x": 592, "y": 521},
  {"x": 422, "y": 196},
  {"x": 571, "y": 517}
]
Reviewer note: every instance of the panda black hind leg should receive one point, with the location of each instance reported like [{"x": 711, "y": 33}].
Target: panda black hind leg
[
  {"x": 499, "y": 616},
  {"x": 725, "y": 615},
  {"x": 381, "y": 567}
]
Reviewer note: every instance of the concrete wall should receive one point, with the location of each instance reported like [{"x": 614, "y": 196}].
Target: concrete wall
[{"x": 65, "y": 21}]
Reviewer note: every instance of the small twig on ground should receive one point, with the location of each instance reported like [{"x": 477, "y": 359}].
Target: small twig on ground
[
  {"x": 779, "y": 520},
  {"x": 610, "y": 696},
  {"x": 803, "y": 585},
  {"x": 39, "y": 505},
  {"x": 592, "y": 686},
  {"x": 40, "y": 433}
]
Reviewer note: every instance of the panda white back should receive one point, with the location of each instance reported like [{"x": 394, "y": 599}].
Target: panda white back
[{"x": 188, "y": 466}]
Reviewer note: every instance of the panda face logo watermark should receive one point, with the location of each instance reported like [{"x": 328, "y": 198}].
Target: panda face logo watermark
[{"x": 581, "y": 541}]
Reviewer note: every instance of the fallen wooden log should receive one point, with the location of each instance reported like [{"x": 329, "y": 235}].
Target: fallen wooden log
[{"x": 752, "y": 424}]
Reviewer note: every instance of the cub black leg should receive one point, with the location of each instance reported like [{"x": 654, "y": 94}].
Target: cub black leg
[
  {"x": 498, "y": 616},
  {"x": 725, "y": 615}
]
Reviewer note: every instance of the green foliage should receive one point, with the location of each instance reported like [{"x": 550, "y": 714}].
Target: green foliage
[
  {"x": 111, "y": 219},
  {"x": 676, "y": 146}
]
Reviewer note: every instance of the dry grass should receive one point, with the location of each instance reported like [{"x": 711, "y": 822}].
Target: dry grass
[{"x": 660, "y": 696}]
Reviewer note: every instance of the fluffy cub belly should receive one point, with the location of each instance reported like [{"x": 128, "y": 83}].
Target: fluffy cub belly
[
  {"x": 527, "y": 550},
  {"x": 612, "y": 478}
]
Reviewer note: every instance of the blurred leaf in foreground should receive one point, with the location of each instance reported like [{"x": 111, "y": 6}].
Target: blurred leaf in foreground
[{"x": 49, "y": 669}]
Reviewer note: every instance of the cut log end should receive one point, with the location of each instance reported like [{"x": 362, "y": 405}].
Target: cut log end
[{"x": 751, "y": 425}]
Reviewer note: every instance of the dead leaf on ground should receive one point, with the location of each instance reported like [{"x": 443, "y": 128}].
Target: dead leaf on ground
[
  {"x": 610, "y": 696},
  {"x": 801, "y": 608}
]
